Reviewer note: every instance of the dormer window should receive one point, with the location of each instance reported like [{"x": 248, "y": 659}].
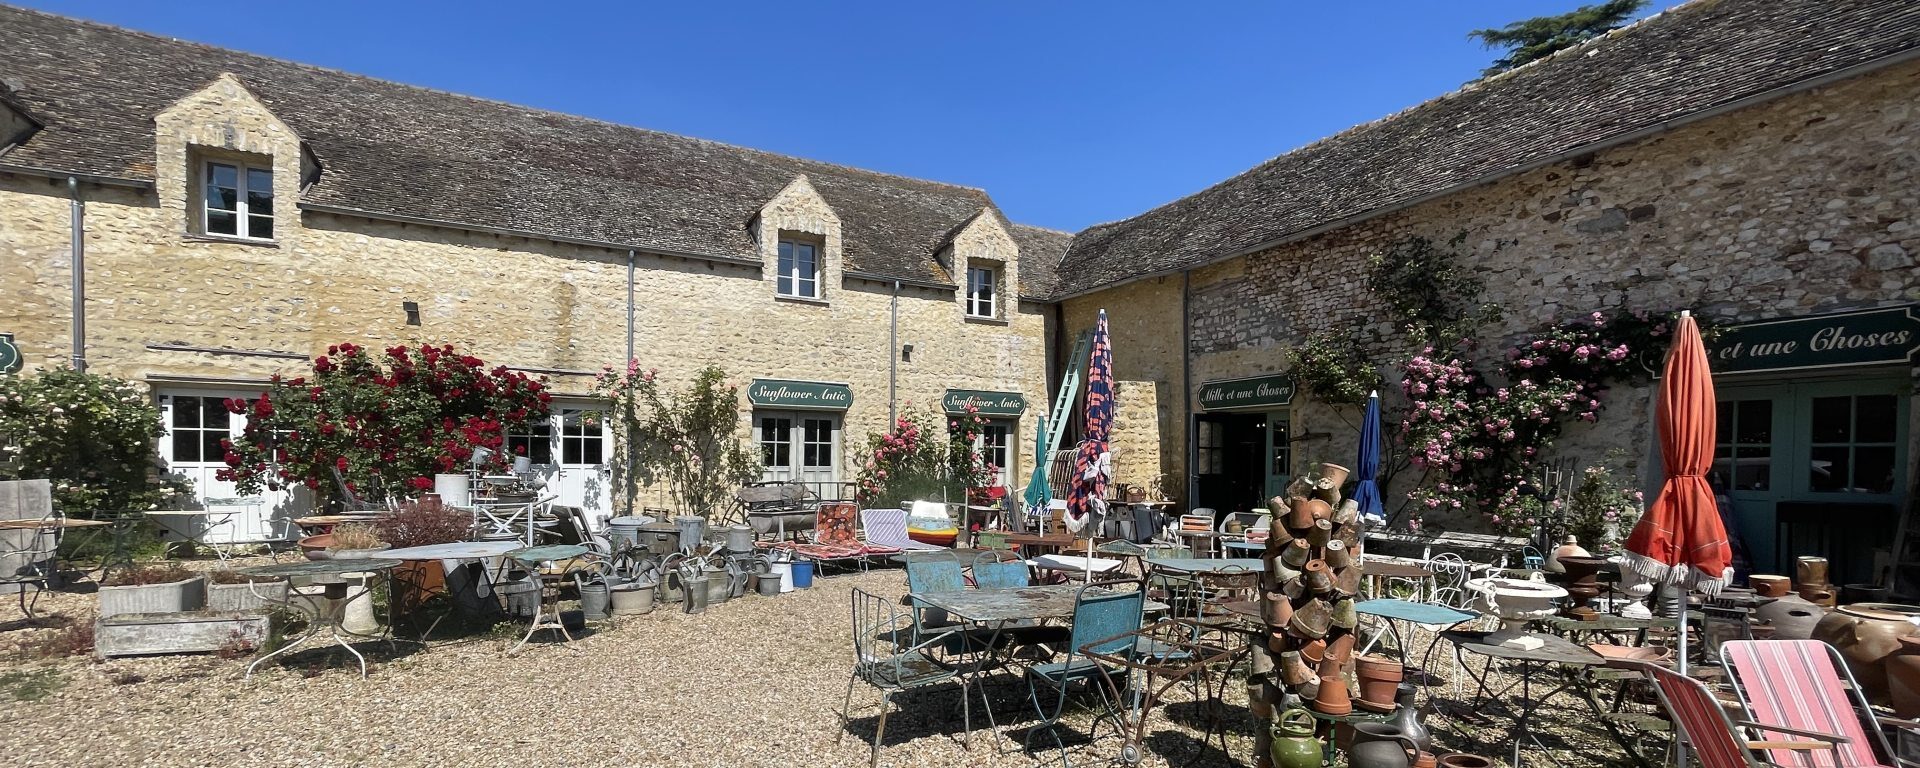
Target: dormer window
[
  {"x": 799, "y": 269},
  {"x": 238, "y": 200},
  {"x": 982, "y": 289}
]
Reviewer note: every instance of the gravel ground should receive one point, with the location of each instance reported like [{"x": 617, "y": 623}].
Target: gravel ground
[{"x": 752, "y": 682}]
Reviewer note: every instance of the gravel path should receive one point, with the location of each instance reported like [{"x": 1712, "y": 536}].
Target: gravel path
[{"x": 752, "y": 682}]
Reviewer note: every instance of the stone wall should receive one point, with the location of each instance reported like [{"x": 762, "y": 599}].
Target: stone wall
[
  {"x": 1803, "y": 205},
  {"x": 1150, "y": 432}
]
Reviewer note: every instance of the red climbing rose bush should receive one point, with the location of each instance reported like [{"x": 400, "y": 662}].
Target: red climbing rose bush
[{"x": 385, "y": 423}]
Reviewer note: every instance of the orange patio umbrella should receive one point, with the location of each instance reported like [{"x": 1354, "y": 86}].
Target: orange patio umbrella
[{"x": 1680, "y": 540}]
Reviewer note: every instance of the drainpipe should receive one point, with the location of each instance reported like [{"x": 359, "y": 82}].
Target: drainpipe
[
  {"x": 893, "y": 354},
  {"x": 630, "y": 305},
  {"x": 78, "y": 213},
  {"x": 1186, "y": 379}
]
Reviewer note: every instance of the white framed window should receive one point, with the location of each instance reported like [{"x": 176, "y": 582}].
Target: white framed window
[
  {"x": 800, "y": 446},
  {"x": 237, "y": 200},
  {"x": 799, "y": 269},
  {"x": 981, "y": 285}
]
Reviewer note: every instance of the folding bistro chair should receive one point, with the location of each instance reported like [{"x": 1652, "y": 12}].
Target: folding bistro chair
[
  {"x": 1719, "y": 742},
  {"x": 1105, "y": 616},
  {"x": 1803, "y": 685},
  {"x": 991, "y": 572},
  {"x": 890, "y": 656}
]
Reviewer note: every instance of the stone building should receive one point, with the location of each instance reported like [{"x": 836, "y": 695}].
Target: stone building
[
  {"x": 241, "y": 214},
  {"x": 1752, "y": 161}
]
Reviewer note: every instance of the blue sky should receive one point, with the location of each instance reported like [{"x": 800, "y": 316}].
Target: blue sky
[{"x": 1069, "y": 114}]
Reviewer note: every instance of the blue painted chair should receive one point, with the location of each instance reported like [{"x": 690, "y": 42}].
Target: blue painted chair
[
  {"x": 990, "y": 571},
  {"x": 881, "y": 659},
  {"x": 1105, "y": 614},
  {"x": 930, "y": 573}
]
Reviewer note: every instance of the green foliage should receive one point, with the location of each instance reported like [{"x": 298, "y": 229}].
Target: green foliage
[
  {"x": 92, "y": 436},
  {"x": 1599, "y": 509},
  {"x": 1336, "y": 370},
  {"x": 910, "y": 463},
  {"x": 1429, "y": 290},
  {"x": 385, "y": 424},
  {"x": 688, "y": 440},
  {"x": 1537, "y": 38}
]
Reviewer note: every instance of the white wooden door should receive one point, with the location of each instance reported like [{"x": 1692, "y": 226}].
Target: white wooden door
[
  {"x": 569, "y": 451},
  {"x": 196, "y": 422},
  {"x": 801, "y": 446}
]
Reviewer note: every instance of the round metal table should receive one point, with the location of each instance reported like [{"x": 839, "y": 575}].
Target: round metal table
[
  {"x": 532, "y": 557},
  {"x": 328, "y": 613}
]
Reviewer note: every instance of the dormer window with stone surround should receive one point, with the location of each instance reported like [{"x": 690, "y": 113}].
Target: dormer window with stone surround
[
  {"x": 236, "y": 199},
  {"x": 983, "y": 290},
  {"x": 798, "y": 271}
]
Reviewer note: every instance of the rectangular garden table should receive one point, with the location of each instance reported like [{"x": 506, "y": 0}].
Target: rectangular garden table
[{"x": 1205, "y": 564}]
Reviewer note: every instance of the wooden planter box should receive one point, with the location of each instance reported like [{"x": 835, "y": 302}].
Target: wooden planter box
[
  {"x": 139, "y": 634},
  {"x": 246, "y": 597},
  {"x": 172, "y": 597}
]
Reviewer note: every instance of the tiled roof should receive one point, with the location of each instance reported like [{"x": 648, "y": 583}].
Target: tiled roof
[
  {"x": 1040, "y": 252},
  {"x": 399, "y": 150},
  {"x": 1699, "y": 56}
]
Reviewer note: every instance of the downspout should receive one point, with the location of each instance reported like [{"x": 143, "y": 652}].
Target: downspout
[
  {"x": 1186, "y": 379},
  {"x": 78, "y": 213},
  {"x": 626, "y": 483},
  {"x": 893, "y": 354},
  {"x": 630, "y": 305}
]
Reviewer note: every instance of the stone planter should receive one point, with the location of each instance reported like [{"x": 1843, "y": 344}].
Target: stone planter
[
  {"x": 172, "y": 597},
  {"x": 246, "y": 597},
  {"x": 140, "y": 634}
]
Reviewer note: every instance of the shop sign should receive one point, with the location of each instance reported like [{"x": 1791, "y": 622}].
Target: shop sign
[
  {"x": 780, "y": 393},
  {"x": 988, "y": 403},
  {"x": 1258, "y": 391},
  {"x": 9, "y": 354},
  {"x": 1867, "y": 337}
]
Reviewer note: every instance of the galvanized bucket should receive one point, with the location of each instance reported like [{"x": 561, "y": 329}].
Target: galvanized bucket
[
  {"x": 595, "y": 601},
  {"x": 632, "y": 599},
  {"x": 739, "y": 539},
  {"x": 624, "y": 532}
]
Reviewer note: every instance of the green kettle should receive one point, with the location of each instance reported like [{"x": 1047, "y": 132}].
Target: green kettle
[{"x": 1294, "y": 745}]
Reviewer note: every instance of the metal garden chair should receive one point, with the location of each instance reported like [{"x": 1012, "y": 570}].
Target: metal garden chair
[
  {"x": 1719, "y": 742},
  {"x": 991, "y": 572},
  {"x": 1105, "y": 617},
  {"x": 889, "y": 654},
  {"x": 1800, "y": 686}
]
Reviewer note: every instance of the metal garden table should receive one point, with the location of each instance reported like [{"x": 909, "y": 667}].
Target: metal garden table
[
  {"x": 329, "y": 611},
  {"x": 1570, "y": 663},
  {"x": 1391, "y": 610},
  {"x": 1194, "y": 565},
  {"x": 470, "y": 591},
  {"x": 532, "y": 557}
]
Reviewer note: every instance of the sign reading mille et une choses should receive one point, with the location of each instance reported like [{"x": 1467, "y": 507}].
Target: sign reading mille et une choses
[
  {"x": 1257, "y": 391},
  {"x": 780, "y": 393},
  {"x": 1865, "y": 337},
  {"x": 9, "y": 354},
  {"x": 988, "y": 403}
]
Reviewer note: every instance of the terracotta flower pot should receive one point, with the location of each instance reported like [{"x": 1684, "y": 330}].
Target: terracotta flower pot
[
  {"x": 1346, "y": 513},
  {"x": 1294, "y": 670},
  {"x": 1334, "y": 474},
  {"x": 1462, "y": 760},
  {"x": 1317, "y": 579},
  {"x": 1425, "y": 760},
  {"x": 1770, "y": 586},
  {"x": 1276, "y": 610},
  {"x": 1338, "y": 656},
  {"x": 1312, "y": 620},
  {"x": 1346, "y": 581},
  {"x": 1313, "y": 651},
  {"x": 1320, "y": 533},
  {"x": 1279, "y": 506},
  {"x": 1337, "y": 554},
  {"x": 1305, "y": 511},
  {"x": 1332, "y": 698},
  {"x": 1345, "y": 614},
  {"x": 1296, "y": 554},
  {"x": 1379, "y": 679}
]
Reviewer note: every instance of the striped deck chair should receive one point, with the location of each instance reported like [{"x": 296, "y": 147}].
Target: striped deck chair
[
  {"x": 888, "y": 528},
  {"x": 1717, "y": 741},
  {"x": 1803, "y": 684},
  {"x": 835, "y": 536}
]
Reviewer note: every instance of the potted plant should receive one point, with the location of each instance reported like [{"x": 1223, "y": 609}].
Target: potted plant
[
  {"x": 418, "y": 524},
  {"x": 355, "y": 541},
  {"x": 232, "y": 591},
  {"x": 165, "y": 588}
]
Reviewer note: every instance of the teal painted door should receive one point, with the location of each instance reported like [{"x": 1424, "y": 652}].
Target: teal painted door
[
  {"x": 1809, "y": 444},
  {"x": 1279, "y": 464}
]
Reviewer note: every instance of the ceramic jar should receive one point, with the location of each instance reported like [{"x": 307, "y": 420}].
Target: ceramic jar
[
  {"x": 1866, "y": 634},
  {"x": 1408, "y": 721},
  {"x": 1770, "y": 586},
  {"x": 1294, "y": 745},
  {"x": 1791, "y": 617},
  {"x": 1380, "y": 745},
  {"x": 1462, "y": 760},
  {"x": 1903, "y": 678},
  {"x": 1569, "y": 547},
  {"x": 1810, "y": 570}
]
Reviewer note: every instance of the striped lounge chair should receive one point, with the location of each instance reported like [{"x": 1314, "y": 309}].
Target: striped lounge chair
[
  {"x": 835, "y": 537},
  {"x": 1719, "y": 742},
  {"x": 888, "y": 527},
  {"x": 1804, "y": 685}
]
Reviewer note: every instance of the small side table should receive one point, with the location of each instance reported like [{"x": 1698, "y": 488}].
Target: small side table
[
  {"x": 329, "y": 613},
  {"x": 548, "y": 615}
]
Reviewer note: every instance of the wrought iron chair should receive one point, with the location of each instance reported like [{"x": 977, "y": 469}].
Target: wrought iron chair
[
  {"x": 27, "y": 548},
  {"x": 1105, "y": 617},
  {"x": 890, "y": 654}
]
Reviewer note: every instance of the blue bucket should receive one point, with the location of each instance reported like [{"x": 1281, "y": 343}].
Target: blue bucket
[{"x": 802, "y": 574}]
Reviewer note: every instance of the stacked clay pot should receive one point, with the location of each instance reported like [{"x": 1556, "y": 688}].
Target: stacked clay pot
[{"x": 1311, "y": 581}]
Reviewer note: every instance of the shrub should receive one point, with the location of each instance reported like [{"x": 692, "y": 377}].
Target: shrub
[
  {"x": 420, "y": 523},
  {"x": 354, "y": 536},
  {"x": 92, "y": 436},
  {"x": 687, "y": 440}
]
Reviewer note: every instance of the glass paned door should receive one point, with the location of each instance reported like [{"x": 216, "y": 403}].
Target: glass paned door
[
  {"x": 196, "y": 423},
  {"x": 1279, "y": 453},
  {"x": 993, "y": 443},
  {"x": 801, "y": 446},
  {"x": 568, "y": 450}
]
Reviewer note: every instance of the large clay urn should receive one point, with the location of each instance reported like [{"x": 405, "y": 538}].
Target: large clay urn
[
  {"x": 1903, "y": 678},
  {"x": 1866, "y": 634},
  {"x": 1791, "y": 617},
  {"x": 1570, "y": 547}
]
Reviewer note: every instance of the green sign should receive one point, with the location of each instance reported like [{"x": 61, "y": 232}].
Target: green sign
[
  {"x": 1866, "y": 337},
  {"x": 1255, "y": 392},
  {"x": 780, "y": 393},
  {"x": 989, "y": 403},
  {"x": 9, "y": 354}
]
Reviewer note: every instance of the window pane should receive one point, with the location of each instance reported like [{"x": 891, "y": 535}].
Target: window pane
[
  {"x": 1755, "y": 421},
  {"x": 592, "y": 450},
  {"x": 186, "y": 411},
  {"x": 786, "y": 283},
  {"x": 222, "y": 198},
  {"x": 260, "y": 226},
  {"x": 222, "y": 175},
  {"x": 186, "y": 445},
  {"x": 1831, "y": 417},
  {"x": 221, "y": 223},
  {"x": 260, "y": 183},
  {"x": 210, "y": 448},
  {"x": 1753, "y": 469},
  {"x": 1723, "y": 422},
  {"x": 803, "y": 259},
  {"x": 1873, "y": 469},
  {"x": 805, "y": 287},
  {"x": 1830, "y": 470},
  {"x": 1874, "y": 417},
  {"x": 214, "y": 414}
]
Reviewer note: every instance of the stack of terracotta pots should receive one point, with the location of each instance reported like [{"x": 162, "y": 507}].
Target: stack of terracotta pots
[{"x": 1311, "y": 580}]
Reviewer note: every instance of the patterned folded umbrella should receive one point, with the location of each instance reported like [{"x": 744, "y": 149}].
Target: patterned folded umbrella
[{"x": 1092, "y": 468}]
